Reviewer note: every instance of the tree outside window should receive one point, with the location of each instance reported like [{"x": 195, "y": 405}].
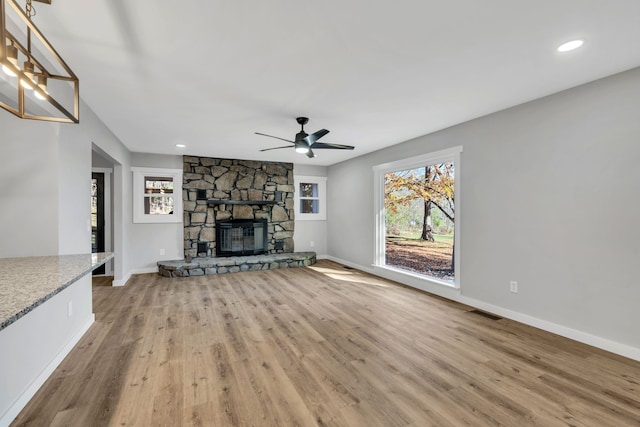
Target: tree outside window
[{"x": 158, "y": 197}]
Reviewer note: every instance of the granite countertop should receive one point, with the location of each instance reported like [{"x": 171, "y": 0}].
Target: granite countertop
[{"x": 27, "y": 282}]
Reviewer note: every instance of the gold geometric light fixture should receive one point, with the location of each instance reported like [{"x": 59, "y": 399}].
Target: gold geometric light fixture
[{"x": 35, "y": 82}]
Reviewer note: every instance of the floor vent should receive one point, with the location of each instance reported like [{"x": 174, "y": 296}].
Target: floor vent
[{"x": 485, "y": 314}]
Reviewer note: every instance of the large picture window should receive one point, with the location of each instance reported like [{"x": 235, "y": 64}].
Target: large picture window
[
  {"x": 157, "y": 195},
  {"x": 416, "y": 230}
]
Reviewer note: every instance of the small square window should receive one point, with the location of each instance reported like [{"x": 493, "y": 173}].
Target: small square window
[
  {"x": 157, "y": 195},
  {"x": 310, "y": 198}
]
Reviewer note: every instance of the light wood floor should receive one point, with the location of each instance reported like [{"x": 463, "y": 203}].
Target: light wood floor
[{"x": 321, "y": 346}]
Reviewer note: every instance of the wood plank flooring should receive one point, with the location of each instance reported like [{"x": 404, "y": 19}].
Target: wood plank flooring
[{"x": 321, "y": 346}]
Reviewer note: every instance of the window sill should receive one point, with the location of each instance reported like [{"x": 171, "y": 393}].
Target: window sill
[
  {"x": 158, "y": 219},
  {"x": 409, "y": 278},
  {"x": 310, "y": 217}
]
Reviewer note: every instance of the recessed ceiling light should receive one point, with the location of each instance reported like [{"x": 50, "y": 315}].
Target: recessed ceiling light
[
  {"x": 181, "y": 146},
  {"x": 573, "y": 44}
]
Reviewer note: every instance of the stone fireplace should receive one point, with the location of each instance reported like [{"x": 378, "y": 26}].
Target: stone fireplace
[{"x": 217, "y": 191}]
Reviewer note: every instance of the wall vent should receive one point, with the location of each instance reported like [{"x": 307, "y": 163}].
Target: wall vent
[{"x": 485, "y": 314}]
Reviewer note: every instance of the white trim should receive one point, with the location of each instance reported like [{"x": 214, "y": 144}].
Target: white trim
[
  {"x": 12, "y": 412},
  {"x": 145, "y": 270},
  {"x": 121, "y": 282},
  {"x": 321, "y": 182},
  {"x": 379, "y": 172},
  {"x": 102, "y": 170},
  {"x": 414, "y": 277},
  {"x": 350, "y": 264},
  {"x": 574, "y": 334},
  {"x": 455, "y": 295},
  {"x": 419, "y": 161},
  {"x": 138, "y": 195}
]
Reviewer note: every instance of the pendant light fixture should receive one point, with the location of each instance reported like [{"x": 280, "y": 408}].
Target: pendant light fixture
[
  {"x": 12, "y": 57},
  {"x": 28, "y": 71},
  {"x": 44, "y": 87}
]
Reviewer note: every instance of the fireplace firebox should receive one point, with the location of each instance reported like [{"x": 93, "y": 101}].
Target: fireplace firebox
[{"x": 241, "y": 237}]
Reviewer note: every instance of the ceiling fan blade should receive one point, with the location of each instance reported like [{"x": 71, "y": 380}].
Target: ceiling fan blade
[
  {"x": 333, "y": 146},
  {"x": 275, "y": 148},
  {"x": 311, "y": 139},
  {"x": 310, "y": 154},
  {"x": 276, "y": 137}
]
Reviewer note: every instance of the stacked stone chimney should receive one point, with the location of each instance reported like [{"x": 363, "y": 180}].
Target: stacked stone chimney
[{"x": 208, "y": 182}]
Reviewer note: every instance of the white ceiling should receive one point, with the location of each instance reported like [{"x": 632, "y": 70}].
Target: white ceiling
[{"x": 211, "y": 73}]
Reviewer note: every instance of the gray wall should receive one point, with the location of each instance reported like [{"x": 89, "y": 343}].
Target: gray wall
[
  {"x": 311, "y": 231},
  {"x": 147, "y": 240},
  {"x": 29, "y": 190},
  {"x": 74, "y": 184},
  {"x": 549, "y": 197},
  {"x": 108, "y": 146}
]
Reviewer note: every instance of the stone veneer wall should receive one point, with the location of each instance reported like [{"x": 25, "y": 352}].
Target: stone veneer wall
[{"x": 227, "y": 179}]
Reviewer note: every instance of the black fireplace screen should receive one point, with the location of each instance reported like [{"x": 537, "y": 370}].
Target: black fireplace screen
[{"x": 241, "y": 237}]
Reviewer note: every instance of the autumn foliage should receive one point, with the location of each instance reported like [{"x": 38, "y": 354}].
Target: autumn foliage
[{"x": 434, "y": 184}]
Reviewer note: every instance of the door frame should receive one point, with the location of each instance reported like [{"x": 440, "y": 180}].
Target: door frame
[{"x": 108, "y": 217}]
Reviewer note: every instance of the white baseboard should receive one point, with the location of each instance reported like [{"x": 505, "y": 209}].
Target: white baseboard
[
  {"x": 580, "y": 336},
  {"x": 349, "y": 264},
  {"x": 13, "y": 411},
  {"x": 145, "y": 270},
  {"x": 121, "y": 282},
  {"x": 455, "y": 295}
]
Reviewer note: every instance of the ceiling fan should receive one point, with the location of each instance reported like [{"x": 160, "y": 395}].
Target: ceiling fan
[{"x": 305, "y": 143}]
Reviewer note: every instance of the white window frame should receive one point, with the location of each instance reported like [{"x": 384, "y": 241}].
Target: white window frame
[
  {"x": 138, "y": 195},
  {"x": 321, "y": 182},
  {"x": 379, "y": 172}
]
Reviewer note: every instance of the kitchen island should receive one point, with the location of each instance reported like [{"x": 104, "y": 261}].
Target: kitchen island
[{"x": 45, "y": 308}]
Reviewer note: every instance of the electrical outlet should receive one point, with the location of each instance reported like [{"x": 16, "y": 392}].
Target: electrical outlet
[
  {"x": 161, "y": 251},
  {"x": 69, "y": 308},
  {"x": 513, "y": 286},
  {"x": 312, "y": 244}
]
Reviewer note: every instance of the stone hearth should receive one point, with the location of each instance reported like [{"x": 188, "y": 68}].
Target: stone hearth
[{"x": 209, "y": 266}]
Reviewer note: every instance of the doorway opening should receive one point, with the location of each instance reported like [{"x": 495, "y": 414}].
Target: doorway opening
[{"x": 97, "y": 217}]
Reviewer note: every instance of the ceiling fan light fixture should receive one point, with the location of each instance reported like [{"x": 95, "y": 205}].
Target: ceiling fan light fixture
[
  {"x": 304, "y": 143},
  {"x": 302, "y": 148}
]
